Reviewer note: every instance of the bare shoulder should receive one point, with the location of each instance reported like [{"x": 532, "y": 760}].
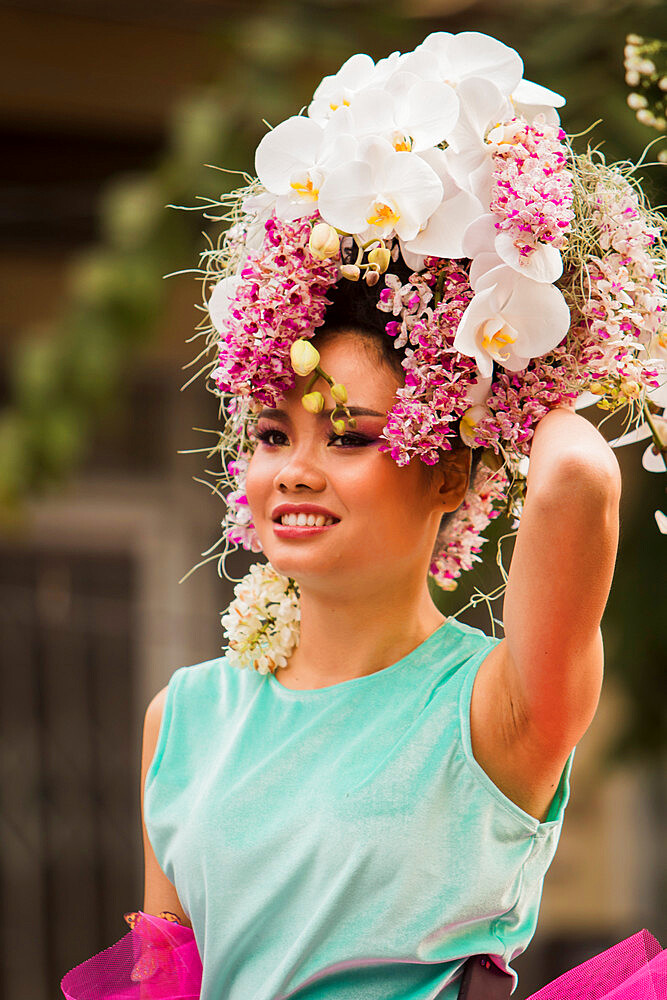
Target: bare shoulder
[
  {"x": 153, "y": 717},
  {"x": 524, "y": 767},
  {"x": 159, "y": 893}
]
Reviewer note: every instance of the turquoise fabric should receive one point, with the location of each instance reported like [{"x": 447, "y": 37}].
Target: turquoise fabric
[{"x": 343, "y": 842}]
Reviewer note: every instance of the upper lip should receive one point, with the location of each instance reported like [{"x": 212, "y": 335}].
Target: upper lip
[{"x": 300, "y": 508}]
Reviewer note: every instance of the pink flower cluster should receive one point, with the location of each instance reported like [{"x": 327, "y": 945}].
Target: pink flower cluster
[
  {"x": 410, "y": 302},
  {"x": 281, "y": 297},
  {"x": 437, "y": 377},
  {"x": 237, "y": 524},
  {"x": 627, "y": 300},
  {"x": 532, "y": 187},
  {"x": 518, "y": 400},
  {"x": 461, "y": 539}
]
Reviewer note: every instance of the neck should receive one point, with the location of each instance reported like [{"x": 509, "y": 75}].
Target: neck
[{"x": 351, "y": 636}]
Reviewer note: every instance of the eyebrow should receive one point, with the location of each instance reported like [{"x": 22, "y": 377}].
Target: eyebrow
[{"x": 355, "y": 411}]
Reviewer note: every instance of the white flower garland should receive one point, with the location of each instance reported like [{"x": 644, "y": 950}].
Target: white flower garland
[{"x": 262, "y": 623}]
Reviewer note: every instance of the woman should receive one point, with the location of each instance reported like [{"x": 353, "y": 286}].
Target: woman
[
  {"x": 365, "y": 606},
  {"x": 378, "y": 798}
]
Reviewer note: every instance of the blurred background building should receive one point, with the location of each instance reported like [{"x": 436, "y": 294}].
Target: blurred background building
[{"x": 110, "y": 112}]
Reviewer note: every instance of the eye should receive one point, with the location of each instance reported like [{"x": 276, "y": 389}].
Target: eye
[
  {"x": 267, "y": 434},
  {"x": 349, "y": 440}
]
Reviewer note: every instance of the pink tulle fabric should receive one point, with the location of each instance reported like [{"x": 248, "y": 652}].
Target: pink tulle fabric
[
  {"x": 158, "y": 960},
  {"x": 633, "y": 969}
]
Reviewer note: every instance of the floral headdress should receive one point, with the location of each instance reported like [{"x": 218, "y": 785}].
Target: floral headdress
[{"x": 537, "y": 278}]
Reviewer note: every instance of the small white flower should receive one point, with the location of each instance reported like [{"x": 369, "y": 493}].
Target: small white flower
[{"x": 262, "y": 623}]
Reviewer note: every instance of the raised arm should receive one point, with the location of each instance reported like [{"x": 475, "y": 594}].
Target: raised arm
[
  {"x": 159, "y": 893},
  {"x": 559, "y": 580}
]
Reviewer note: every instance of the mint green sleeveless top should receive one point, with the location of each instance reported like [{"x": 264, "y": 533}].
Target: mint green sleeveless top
[{"x": 343, "y": 843}]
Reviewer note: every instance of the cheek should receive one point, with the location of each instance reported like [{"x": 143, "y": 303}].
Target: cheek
[
  {"x": 258, "y": 479},
  {"x": 394, "y": 500}
]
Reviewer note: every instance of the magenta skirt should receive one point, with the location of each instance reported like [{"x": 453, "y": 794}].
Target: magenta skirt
[{"x": 158, "y": 960}]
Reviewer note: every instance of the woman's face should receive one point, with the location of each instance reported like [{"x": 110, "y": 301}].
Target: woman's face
[{"x": 386, "y": 517}]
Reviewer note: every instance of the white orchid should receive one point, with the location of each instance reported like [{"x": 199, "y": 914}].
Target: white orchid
[
  {"x": 473, "y": 54},
  {"x": 292, "y": 161},
  {"x": 511, "y": 320},
  {"x": 443, "y": 234},
  {"x": 257, "y": 208},
  {"x": 221, "y": 298},
  {"x": 410, "y": 113},
  {"x": 487, "y": 248},
  {"x": 339, "y": 89},
  {"x": 533, "y": 101},
  {"x": 380, "y": 192}
]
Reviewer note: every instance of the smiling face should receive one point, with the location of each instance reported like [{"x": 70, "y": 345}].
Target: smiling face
[{"x": 386, "y": 517}]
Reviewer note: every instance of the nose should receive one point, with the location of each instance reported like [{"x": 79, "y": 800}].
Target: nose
[{"x": 298, "y": 472}]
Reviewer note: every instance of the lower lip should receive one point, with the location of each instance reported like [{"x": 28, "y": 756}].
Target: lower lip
[{"x": 300, "y": 531}]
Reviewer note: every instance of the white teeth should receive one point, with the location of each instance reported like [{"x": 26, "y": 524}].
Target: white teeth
[{"x": 306, "y": 520}]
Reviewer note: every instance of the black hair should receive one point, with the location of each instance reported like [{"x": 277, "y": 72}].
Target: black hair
[{"x": 354, "y": 307}]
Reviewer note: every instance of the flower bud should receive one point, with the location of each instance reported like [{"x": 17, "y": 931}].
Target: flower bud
[
  {"x": 631, "y": 389},
  {"x": 371, "y": 277},
  {"x": 338, "y": 426},
  {"x": 324, "y": 241},
  {"x": 313, "y": 402},
  {"x": 350, "y": 271},
  {"x": 381, "y": 257},
  {"x": 339, "y": 392},
  {"x": 304, "y": 357}
]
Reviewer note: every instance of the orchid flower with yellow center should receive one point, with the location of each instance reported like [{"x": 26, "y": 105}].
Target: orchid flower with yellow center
[
  {"x": 343, "y": 104},
  {"x": 511, "y": 320},
  {"x": 340, "y": 89},
  {"x": 380, "y": 192},
  {"x": 411, "y": 113},
  {"x": 304, "y": 187},
  {"x": 383, "y": 215},
  {"x": 293, "y": 159},
  {"x": 401, "y": 143},
  {"x": 496, "y": 334}
]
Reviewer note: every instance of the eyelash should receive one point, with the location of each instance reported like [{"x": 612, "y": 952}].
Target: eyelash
[{"x": 266, "y": 433}]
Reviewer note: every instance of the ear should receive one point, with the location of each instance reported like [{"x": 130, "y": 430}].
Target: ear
[{"x": 454, "y": 476}]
